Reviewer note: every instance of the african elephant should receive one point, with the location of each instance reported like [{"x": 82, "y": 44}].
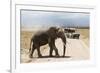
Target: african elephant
[{"x": 47, "y": 37}]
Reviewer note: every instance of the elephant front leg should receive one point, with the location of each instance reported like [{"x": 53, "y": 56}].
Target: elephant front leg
[
  {"x": 51, "y": 51},
  {"x": 53, "y": 47},
  {"x": 56, "y": 51}
]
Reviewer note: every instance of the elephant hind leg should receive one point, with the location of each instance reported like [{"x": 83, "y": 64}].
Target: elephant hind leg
[{"x": 31, "y": 52}]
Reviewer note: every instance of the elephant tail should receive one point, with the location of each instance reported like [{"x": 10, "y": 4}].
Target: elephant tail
[{"x": 30, "y": 46}]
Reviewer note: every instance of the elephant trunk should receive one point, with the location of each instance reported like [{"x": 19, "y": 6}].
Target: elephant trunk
[
  {"x": 64, "y": 45},
  {"x": 63, "y": 37}
]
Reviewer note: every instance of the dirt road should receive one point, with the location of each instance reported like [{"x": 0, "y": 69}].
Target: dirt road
[{"x": 76, "y": 49}]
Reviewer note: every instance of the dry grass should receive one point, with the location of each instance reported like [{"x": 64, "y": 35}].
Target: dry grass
[
  {"x": 25, "y": 39},
  {"x": 85, "y": 35},
  {"x": 26, "y": 36}
]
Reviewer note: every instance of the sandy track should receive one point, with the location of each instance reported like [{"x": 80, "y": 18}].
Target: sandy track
[{"x": 75, "y": 48}]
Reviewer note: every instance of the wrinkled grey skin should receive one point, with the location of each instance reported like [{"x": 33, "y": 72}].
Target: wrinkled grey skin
[{"x": 47, "y": 37}]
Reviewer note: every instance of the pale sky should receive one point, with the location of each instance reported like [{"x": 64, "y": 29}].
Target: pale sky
[{"x": 47, "y": 18}]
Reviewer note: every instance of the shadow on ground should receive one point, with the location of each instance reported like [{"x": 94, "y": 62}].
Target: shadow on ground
[
  {"x": 45, "y": 57},
  {"x": 55, "y": 57}
]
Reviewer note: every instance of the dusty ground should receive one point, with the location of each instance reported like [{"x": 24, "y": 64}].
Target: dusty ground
[{"x": 77, "y": 49}]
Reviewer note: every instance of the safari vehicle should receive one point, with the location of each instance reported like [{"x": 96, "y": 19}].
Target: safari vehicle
[
  {"x": 73, "y": 35},
  {"x": 69, "y": 30}
]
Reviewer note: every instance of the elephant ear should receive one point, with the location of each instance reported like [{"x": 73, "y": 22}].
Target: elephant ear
[
  {"x": 53, "y": 32},
  {"x": 60, "y": 32}
]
